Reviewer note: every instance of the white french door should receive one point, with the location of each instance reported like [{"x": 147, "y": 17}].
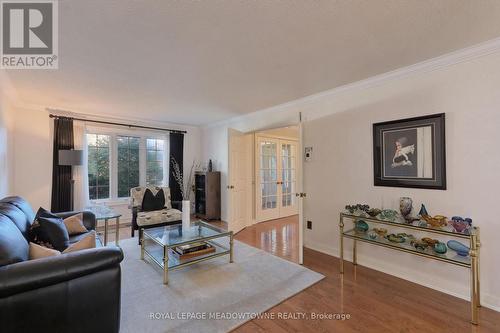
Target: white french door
[
  {"x": 240, "y": 180},
  {"x": 276, "y": 178},
  {"x": 288, "y": 181}
]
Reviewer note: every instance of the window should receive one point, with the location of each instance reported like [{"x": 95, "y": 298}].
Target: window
[
  {"x": 154, "y": 162},
  {"x": 98, "y": 156},
  {"x": 120, "y": 161},
  {"x": 128, "y": 164}
]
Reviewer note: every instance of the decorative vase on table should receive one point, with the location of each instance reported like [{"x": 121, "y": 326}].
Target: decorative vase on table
[
  {"x": 186, "y": 186},
  {"x": 186, "y": 215},
  {"x": 440, "y": 248},
  {"x": 405, "y": 207},
  {"x": 459, "y": 248},
  {"x": 461, "y": 225},
  {"x": 423, "y": 211},
  {"x": 361, "y": 226}
]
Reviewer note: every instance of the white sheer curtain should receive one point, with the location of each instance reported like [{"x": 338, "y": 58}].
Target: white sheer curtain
[{"x": 80, "y": 173}]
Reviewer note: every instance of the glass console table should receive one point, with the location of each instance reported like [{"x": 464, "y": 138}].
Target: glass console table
[{"x": 470, "y": 261}]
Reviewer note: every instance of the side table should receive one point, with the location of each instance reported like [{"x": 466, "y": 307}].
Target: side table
[{"x": 106, "y": 218}]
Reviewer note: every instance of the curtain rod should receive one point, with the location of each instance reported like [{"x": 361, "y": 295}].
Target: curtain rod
[{"x": 118, "y": 124}]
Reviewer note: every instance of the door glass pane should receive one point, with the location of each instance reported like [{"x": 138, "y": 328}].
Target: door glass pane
[
  {"x": 288, "y": 174},
  {"x": 273, "y": 201},
  {"x": 263, "y": 195},
  {"x": 287, "y": 200},
  {"x": 268, "y": 174}
]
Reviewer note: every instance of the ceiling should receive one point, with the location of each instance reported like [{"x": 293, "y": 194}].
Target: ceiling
[{"x": 197, "y": 62}]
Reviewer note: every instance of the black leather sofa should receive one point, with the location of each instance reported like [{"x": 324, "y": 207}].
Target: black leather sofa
[{"x": 74, "y": 292}]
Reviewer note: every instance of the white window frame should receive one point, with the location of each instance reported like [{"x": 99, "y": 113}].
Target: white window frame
[{"x": 113, "y": 157}]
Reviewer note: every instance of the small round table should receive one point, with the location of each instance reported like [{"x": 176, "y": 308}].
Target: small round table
[{"x": 106, "y": 217}]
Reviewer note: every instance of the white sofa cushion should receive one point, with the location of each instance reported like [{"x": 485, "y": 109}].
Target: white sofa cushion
[{"x": 158, "y": 216}]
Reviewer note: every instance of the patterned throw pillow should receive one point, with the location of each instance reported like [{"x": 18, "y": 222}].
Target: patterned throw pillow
[{"x": 51, "y": 230}]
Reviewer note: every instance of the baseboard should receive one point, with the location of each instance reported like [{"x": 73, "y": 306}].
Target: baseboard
[{"x": 487, "y": 300}]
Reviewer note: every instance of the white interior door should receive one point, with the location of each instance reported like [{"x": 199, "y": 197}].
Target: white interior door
[
  {"x": 266, "y": 166},
  {"x": 240, "y": 180},
  {"x": 300, "y": 189},
  {"x": 287, "y": 179},
  {"x": 276, "y": 178}
]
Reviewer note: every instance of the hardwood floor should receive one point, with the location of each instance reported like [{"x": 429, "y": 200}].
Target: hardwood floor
[
  {"x": 279, "y": 237},
  {"x": 375, "y": 302}
]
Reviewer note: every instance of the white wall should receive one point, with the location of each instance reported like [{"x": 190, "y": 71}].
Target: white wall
[
  {"x": 33, "y": 156},
  {"x": 5, "y": 143},
  {"x": 338, "y": 127},
  {"x": 32, "y": 161}
]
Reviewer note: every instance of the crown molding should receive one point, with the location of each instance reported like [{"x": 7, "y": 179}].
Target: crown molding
[
  {"x": 426, "y": 66},
  {"x": 138, "y": 121}
]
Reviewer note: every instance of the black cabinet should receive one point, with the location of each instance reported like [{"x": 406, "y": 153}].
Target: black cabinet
[{"x": 207, "y": 195}]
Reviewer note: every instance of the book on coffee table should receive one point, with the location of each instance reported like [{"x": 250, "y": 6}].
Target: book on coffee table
[{"x": 193, "y": 250}]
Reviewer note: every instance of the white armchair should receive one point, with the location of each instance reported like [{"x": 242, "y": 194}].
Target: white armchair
[{"x": 142, "y": 220}]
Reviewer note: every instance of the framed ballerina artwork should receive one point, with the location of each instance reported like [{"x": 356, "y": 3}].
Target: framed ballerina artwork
[{"x": 410, "y": 152}]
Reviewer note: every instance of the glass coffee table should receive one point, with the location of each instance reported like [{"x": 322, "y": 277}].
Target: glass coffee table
[{"x": 160, "y": 243}]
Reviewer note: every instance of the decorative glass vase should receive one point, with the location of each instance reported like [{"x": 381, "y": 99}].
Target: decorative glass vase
[
  {"x": 405, "y": 206},
  {"x": 186, "y": 215},
  {"x": 459, "y": 248}
]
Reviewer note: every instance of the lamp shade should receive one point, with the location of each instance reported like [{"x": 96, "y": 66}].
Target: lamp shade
[{"x": 70, "y": 157}]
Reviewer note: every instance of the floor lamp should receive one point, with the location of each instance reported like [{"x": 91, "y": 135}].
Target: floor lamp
[{"x": 71, "y": 158}]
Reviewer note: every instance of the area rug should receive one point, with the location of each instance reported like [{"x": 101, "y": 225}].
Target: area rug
[{"x": 211, "y": 296}]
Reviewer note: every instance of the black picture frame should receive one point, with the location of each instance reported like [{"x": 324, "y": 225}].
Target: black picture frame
[{"x": 410, "y": 152}]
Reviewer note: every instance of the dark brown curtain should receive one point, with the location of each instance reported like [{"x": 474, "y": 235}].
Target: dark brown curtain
[
  {"x": 61, "y": 174},
  {"x": 177, "y": 152}
]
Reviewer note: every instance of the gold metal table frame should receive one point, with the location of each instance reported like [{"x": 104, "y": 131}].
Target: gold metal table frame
[
  {"x": 106, "y": 219},
  {"x": 164, "y": 264},
  {"x": 474, "y": 245}
]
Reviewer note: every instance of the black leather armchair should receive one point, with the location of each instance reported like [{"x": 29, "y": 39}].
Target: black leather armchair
[{"x": 74, "y": 292}]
